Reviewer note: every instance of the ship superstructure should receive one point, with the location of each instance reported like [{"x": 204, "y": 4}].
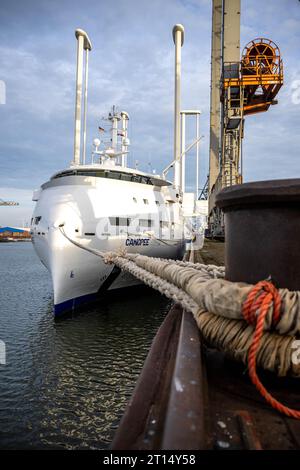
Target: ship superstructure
[{"x": 104, "y": 205}]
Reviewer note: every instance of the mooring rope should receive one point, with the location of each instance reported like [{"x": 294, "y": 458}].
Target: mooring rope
[
  {"x": 255, "y": 309},
  {"x": 233, "y": 317}
]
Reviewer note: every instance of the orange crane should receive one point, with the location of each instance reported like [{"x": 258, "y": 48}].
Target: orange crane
[
  {"x": 247, "y": 87},
  {"x": 240, "y": 85},
  {"x": 260, "y": 76}
]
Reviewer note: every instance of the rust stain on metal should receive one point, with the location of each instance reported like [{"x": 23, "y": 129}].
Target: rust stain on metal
[
  {"x": 185, "y": 409},
  {"x": 248, "y": 431}
]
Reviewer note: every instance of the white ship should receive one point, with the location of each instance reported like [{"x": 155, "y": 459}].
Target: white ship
[{"x": 102, "y": 205}]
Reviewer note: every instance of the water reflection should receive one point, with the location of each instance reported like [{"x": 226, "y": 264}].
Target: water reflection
[{"x": 66, "y": 382}]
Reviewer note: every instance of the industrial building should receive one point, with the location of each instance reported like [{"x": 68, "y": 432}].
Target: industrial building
[{"x": 14, "y": 234}]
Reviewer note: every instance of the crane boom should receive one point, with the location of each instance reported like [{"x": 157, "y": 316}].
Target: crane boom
[{"x": 8, "y": 203}]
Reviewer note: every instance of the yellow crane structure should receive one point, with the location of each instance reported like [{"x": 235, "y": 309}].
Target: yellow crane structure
[
  {"x": 8, "y": 203},
  {"x": 240, "y": 87}
]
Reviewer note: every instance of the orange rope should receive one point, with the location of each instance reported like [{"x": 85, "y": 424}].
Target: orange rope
[{"x": 255, "y": 309}]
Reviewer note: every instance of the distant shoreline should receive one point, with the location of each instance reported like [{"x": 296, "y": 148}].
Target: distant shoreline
[{"x": 14, "y": 241}]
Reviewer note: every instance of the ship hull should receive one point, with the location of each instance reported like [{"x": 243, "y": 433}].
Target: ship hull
[{"x": 93, "y": 212}]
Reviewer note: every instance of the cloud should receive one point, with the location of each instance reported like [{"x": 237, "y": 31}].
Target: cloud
[
  {"x": 131, "y": 66},
  {"x": 28, "y": 86}
]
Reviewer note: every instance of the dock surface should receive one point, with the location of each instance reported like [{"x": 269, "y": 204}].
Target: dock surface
[{"x": 213, "y": 252}]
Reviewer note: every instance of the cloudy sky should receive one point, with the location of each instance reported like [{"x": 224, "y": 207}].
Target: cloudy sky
[{"x": 131, "y": 66}]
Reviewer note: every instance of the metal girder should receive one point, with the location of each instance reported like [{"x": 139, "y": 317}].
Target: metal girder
[
  {"x": 215, "y": 106},
  {"x": 226, "y": 116},
  {"x": 231, "y": 30}
]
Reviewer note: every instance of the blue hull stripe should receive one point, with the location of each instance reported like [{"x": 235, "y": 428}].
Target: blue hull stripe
[{"x": 72, "y": 304}]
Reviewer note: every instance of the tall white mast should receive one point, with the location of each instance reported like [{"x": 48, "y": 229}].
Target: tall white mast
[
  {"x": 197, "y": 154},
  {"x": 178, "y": 37},
  {"x": 184, "y": 151},
  {"x": 83, "y": 43},
  {"x": 125, "y": 119},
  {"x": 85, "y": 104}
]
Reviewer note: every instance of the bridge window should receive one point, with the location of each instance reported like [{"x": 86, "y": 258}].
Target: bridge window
[
  {"x": 119, "y": 221},
  {"x": 146, "y": 223},
  {"x": 119, "y": 175},
  {"x": 164, "y": 224}
]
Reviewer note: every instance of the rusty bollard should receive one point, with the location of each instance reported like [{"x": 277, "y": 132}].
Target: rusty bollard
[{"x": 262, "y": 232}]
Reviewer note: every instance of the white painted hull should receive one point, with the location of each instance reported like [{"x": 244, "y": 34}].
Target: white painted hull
[{"x": 85, "y": 205}]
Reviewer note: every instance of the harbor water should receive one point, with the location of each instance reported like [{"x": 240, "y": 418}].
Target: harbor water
[{"x": 66, "y": 382}]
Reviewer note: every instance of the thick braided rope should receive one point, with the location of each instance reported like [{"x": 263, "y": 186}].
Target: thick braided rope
[
  {"x": 151, "y": 272},
  {"x": 166, "y": 288},
  {"x": 213, "y": 271},
  {"x": 207, "y": 287},
  {"x": 255, "y": 309},
  {"x": 234, "y": 338}
]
